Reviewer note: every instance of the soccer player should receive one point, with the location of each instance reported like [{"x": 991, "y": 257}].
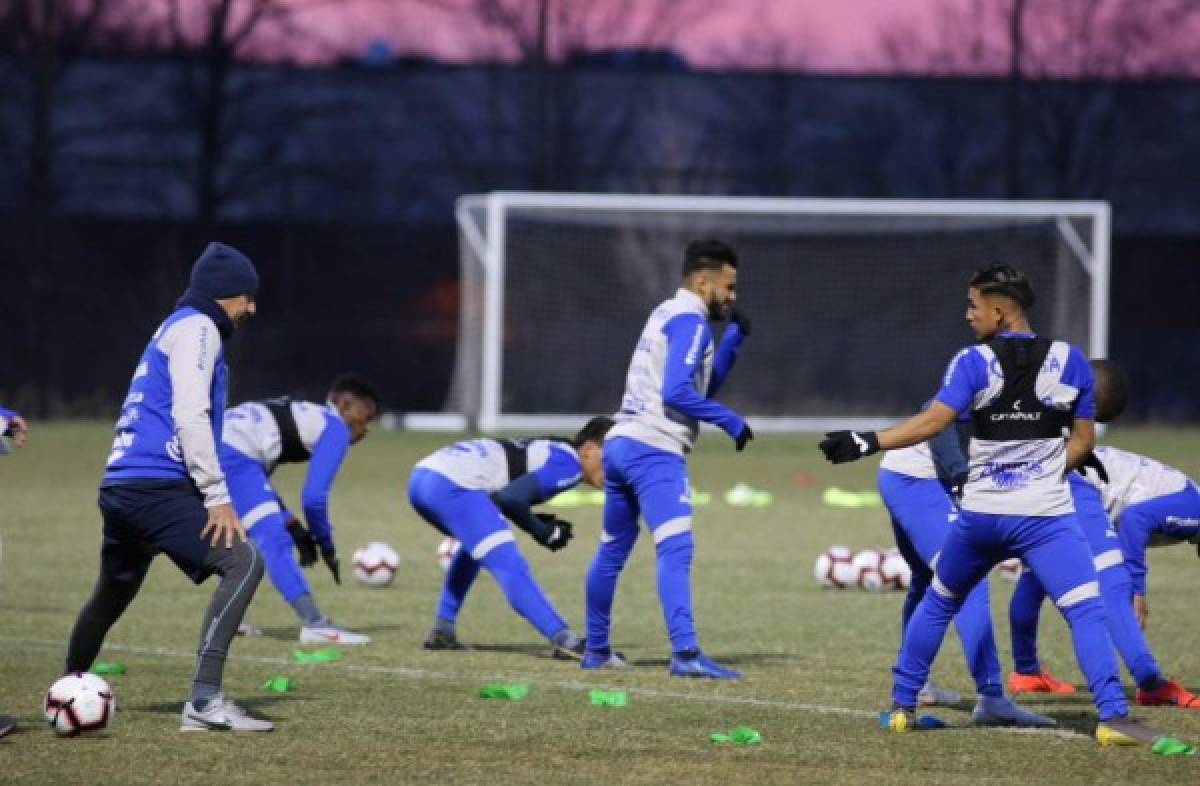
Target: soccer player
[
  {"x": 163, "y": 489},
  {"x": 12, "y": 428},
  {"x": 467, "y": 489},
  {"x": 672, "y": 378},
  {"x": 259, "y": 436},
  {"x": 917, "y": 485},
  {"x": 1125, "y": 503},
  {"x": 1021, "y": 392}
]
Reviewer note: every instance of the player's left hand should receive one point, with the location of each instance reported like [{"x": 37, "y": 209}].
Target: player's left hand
[
  {"x": 842, "y": 446},
  {"x": 743, "y": 438},
  {"x": 739, "y": 318},
  {"x": 557, "y": 531},
  {"x": 330, "y": 558},
  {"x": 1141, "y": 610}
]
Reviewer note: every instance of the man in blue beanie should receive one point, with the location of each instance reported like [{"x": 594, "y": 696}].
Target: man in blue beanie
[{"x": 164, "y": 491}]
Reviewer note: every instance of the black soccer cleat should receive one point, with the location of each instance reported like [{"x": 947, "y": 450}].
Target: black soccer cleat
[{"x": 439, "y": 640}]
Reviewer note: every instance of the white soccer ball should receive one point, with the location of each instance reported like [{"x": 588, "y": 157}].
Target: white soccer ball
[
  {"x": 375, "y": 564},
  {"x": 868, "y": 565},
  {"x": 835, "y": 568},
  {"x": 896, "y": 571},
  {"x": 78, "y": 703},
  {"x": 1010, "y": 569},
  {"x": 446, "y": 551}
]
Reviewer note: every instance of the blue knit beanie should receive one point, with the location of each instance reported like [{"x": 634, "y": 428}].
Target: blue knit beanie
[{"x": 222, "y": 272}]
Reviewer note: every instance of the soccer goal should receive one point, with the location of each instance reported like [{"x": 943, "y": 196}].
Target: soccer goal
[{"x": 856, "y": 304}]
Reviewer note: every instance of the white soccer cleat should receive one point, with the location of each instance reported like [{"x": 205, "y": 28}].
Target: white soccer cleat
[
  {"x": 221, "y": 715},
  {"x": 933, "y": 696},
  {"x": 331, "y": 634}
]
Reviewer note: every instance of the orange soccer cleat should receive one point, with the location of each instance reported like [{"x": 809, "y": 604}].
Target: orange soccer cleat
[
  {"x": 1169, "y": 694},
  {"x": 1042, "y": 682}
]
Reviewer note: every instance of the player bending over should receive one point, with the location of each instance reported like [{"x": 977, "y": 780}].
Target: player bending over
[
  {"x": 163, "y": 489},
  {"x": 467, "y": 489},
  {"x": 917, "y": 485},
  {"x": 1021, "y": 391},
  {"x": 1125, "y": 502},
  {"x": 12, "y": 428},
  {"x": 261, "y": 435},
  {"x": 672, "y": 378}
]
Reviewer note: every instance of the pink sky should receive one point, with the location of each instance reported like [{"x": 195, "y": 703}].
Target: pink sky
[
  {"x": 1096, "y": 37},
  {"x": 831, "y": 34}
]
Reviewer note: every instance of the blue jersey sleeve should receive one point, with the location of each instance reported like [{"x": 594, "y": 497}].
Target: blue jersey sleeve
[
  {"x": 7, "y": 414},
  {"x": 1078, "y": 374},
  {"x": 327, "y": 456},
  {"x": 561, "y": 471},
  {"x": 965, "y": 376},
  {"x": 725, "y": 357},
  {"x": 688, "y": 338}
]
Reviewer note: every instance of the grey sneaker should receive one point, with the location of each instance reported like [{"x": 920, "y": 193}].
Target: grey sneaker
[
  {"x": 1003, "y": 711},
  {"x": 221, "y": 715},
  {"x": 7, "y": 724},
  {"x": 933, "y": 696}
]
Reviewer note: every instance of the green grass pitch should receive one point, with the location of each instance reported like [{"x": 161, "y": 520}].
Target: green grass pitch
[{"x": 816, "y": 662}]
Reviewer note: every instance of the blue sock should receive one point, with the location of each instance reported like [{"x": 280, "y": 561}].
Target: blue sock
[
  {"x": 1094, "y": 651},
  {"x": 459, "y": 577},
  {"x": 675, "y": 590},
  {"x": 511, "y": 572},
  {"x": 1023, "y": 613},
  {"x": 1117, "y": 591},
  {"x": 922, "y": 640},
  {"x": 974, "y": 624},
  {"x": 602, "y": 587}
]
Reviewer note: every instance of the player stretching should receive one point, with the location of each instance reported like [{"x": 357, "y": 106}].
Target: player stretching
[
  {"x": 1021, "y": 391},
  {"x": 917, "y": 484},
  {"x": 465, "y": 491},
  {"x": 672, "y": 378},
  {"x": 260, "y": 435},
  {"x": 164, "y": 489},
  {"x": 1150, "y": 504}
]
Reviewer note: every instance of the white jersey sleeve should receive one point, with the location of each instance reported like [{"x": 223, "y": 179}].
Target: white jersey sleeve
[{"x": 192, "y": 346}]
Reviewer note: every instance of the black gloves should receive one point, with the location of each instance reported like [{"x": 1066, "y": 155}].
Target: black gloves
[
  {"x": 842, "y": 446},
  {"x": 556, "y": 532},
  {"x": 1091, "y": 462},
  {"x": 330, "y": 558},
  {"x": 740, "y": 319},
  {"x": 743, "y": 437},
  {"x": 305, "y": 543}
]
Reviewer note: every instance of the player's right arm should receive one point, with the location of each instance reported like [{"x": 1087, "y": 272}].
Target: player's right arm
[
  {"x": 688, "y": 338},
  {"x": 516, "y": 501},
  {"x": 966, "y": 376}
]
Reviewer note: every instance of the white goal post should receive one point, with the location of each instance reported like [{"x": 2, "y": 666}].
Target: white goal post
[{"x": 868, "y": 292}]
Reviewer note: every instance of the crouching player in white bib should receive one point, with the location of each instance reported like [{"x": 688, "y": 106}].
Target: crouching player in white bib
[
  {"x": 467, "y": 489},
  {"x": 259, "y": 436},
  {"x": 1021, "y": 392}
]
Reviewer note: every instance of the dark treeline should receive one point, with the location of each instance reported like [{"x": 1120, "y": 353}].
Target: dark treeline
[{"x": 341, "y": 181}]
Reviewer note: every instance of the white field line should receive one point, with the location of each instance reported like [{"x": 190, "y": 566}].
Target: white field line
[{"x": 435, "y": 676}]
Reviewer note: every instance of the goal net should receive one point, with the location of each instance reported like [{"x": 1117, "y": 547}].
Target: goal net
[{"x": 857, "y": 305}]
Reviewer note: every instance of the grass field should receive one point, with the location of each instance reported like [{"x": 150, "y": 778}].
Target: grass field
[{"x": 816, "y": 662}]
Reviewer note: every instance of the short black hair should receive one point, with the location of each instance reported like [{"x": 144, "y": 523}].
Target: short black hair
[
  {"x": 707, "y": 255},
  {"x": 593, "y": 431},
  {"x": 355, "y": 386},
  {"x": 1006, "y": 281},
  {"x": 1112, "y": 389}
]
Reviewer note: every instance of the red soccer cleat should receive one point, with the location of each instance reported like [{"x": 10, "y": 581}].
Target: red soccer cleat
[
  {"x": 1169, "y": 694},
  {"x": 1042, "y": 682}
]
